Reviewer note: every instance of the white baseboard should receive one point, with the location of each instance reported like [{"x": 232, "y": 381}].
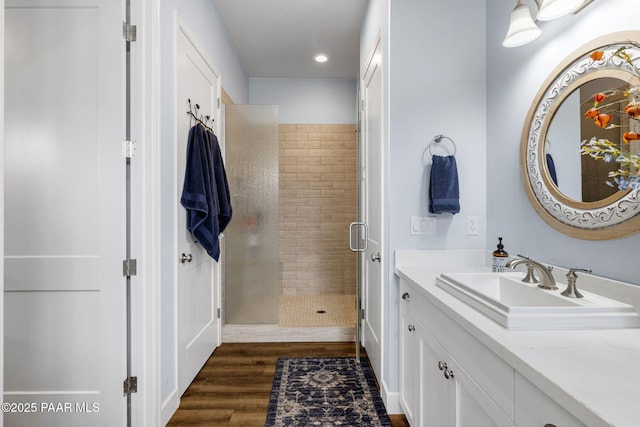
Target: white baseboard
[
  {"x": 391, "y": 400},
  {"x": 169, "y": 407}
]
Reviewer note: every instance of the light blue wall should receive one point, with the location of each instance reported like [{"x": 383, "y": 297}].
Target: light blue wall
[
  {"x": 435, "y": 83},
  {"x": 203, "y": 22},
  {"x": 308, "y": 101},
  {"x": 514, "y": 77}
]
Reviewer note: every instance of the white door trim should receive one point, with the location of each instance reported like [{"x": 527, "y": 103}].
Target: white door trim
[
  {"x": 2, "y": 203},
  {"x": 145, "y": 239}
]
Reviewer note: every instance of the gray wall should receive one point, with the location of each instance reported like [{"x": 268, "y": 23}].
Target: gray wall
[
  {"x": 435, "y": 83},
  {"x": 308, "y": 101},
  {"x": 514, "y": 77}
]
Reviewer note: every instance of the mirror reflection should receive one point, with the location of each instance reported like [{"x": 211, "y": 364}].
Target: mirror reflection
[{"x": 578, "y": 177}]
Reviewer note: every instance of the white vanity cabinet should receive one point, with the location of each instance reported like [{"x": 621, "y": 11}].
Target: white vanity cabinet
[
  {"x": 533, "y": 408},
  {"x": 436, "y": 389},
  {"x": 450, "y": 379},
  {"x": 508, "y": 376},
  {"x": 409, "y": 368}
]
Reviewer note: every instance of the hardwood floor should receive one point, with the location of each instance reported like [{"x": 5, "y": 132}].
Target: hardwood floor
[{"x": 233, "y": 387}]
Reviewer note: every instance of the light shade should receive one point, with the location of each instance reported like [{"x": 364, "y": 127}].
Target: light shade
[
  {"x": 552, "y": 9},
  {"x": 522, "y": 29}
]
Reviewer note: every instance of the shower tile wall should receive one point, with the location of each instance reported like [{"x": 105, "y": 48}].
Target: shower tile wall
[{"x": 317, "y": 202}]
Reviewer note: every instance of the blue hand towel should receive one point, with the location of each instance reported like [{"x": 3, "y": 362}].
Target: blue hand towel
[
  {"x": 444, "y": 195},
  {"x": 552, "y": 169}
]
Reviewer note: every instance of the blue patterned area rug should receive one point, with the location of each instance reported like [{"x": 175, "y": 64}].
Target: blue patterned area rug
[{"x": 325, "y": 392}]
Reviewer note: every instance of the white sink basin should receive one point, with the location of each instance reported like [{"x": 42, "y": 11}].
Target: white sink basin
[{"x": 517, "y": 305}]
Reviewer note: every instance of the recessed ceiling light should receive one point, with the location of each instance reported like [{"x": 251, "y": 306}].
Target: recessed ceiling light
[{"x": 321, "y": 57}]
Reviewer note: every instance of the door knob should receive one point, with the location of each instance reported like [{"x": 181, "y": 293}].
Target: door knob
[
  {"x": 186, "y": 258},
  {"x": 375, "y": 257}
]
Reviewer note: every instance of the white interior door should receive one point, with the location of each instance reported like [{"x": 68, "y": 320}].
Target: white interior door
[
  {"x": 199, "y": 277},
  {"x": 373, "y": 196},
  {"x": 64, "y": 236}
]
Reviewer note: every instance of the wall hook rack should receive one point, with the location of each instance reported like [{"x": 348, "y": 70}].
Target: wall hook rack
[{"x": 204, "y": 120}]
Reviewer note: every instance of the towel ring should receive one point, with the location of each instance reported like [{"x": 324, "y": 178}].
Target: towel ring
[{"x": 437, "y": 139}]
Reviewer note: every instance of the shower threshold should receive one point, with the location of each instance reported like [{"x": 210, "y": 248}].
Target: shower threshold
[{"x": 302, "y": 318}]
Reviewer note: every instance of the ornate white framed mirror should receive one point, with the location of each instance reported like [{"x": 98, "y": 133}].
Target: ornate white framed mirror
[{"x": 580, "y": 142}]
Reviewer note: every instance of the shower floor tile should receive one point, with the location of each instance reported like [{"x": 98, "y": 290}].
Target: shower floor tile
[{"x": 317, "y": 310}]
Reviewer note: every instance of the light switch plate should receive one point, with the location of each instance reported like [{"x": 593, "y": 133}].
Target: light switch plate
[{"x": 422, "y": 226}]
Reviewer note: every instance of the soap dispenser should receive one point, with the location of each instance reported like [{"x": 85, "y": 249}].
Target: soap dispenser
[{"x": 499, "y": 257}]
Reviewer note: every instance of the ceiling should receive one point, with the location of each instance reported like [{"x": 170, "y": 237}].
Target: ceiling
[{"x": 279, "y": 38}]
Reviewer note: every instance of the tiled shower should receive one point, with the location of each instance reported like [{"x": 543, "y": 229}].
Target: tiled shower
[
  {"x": 306, "y": 278},
  {"x": 317, "y": 202}
]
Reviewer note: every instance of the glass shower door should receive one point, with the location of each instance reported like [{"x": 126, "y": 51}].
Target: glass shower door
[{"x": 251, "y": 239}]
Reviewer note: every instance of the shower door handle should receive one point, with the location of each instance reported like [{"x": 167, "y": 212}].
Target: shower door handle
[{"x": 358, "y": 241}]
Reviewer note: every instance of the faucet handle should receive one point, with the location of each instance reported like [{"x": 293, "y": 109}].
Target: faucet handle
[
  {"x": 573, "y": 270},
  {"x": 572, "y": 290}
]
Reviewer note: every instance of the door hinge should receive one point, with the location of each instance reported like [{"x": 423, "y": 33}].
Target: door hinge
[
  {"x": 362, "y": 313},
  {"x": 130, "y": 385},
  {"x": 129, "y": 267},
  {"x": 128, "y": 149},
  {"x": 218, "y": 312},
  {"x": 129, "y": 32},
  {"x": 219, "y": 103}
]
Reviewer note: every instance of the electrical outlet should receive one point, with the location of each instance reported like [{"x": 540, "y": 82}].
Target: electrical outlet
[{"x": 472, "y": 226}]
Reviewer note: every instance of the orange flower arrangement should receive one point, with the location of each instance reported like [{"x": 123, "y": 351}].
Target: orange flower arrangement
[
  {"x": 633, "y": 109},
  {"x": 630, "y": 136},
  {"x": 628, "y": 175}
]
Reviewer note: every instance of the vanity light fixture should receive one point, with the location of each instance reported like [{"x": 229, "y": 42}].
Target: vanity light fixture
[
  {"x": 522, "y": 27},
  {"x": 552, "y": 9},
  {"x": 321, "y": 57}
]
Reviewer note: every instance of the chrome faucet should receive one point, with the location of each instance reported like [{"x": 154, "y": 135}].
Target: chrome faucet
[{"x": 546, "y": 278}]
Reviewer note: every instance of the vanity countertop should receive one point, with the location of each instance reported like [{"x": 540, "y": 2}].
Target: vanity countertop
[{"x": 593, "y": 374}]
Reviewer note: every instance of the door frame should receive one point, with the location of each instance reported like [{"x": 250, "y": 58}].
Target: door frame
[
  {"x": 146, "y": 208},
  {"x": 2, "y": 205}
]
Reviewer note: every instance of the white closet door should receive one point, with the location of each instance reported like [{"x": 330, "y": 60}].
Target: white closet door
[
  {"x": 199, "y": 275},
  {"x": 373, "y": 133},
  {"x": 64, "y": 234}
]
